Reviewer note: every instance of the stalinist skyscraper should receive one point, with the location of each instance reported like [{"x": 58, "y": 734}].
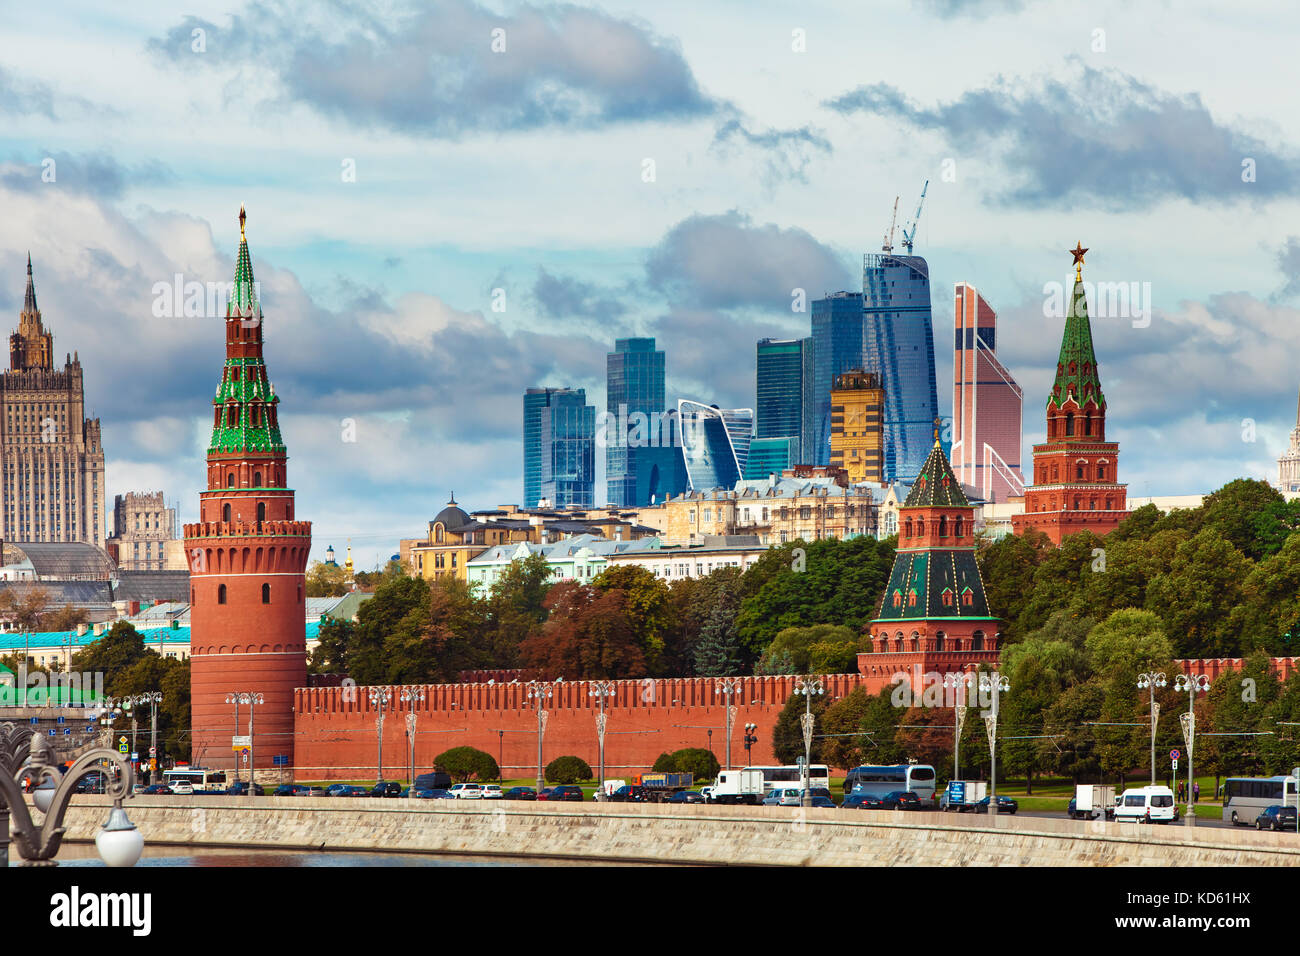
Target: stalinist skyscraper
[
  {"x": 1288, "y": 466},
  {"x": 52, "y": 486}
]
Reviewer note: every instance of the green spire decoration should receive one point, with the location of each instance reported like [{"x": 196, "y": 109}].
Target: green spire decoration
[
  {"x": 245, "y": 387},
  {"x": 1076, "y": 366},
  {"x": 936, "y": 486}
]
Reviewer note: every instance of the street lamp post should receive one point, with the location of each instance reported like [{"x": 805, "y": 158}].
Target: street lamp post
[
  {"x": 540, "y": 692},
  {"x": 750, "y": 740},
  {"x": 1152, "y": 680},
  {"x": 1192, "y": 684},
  {"x": 809, "y": 687},
  {"x": 234, "y": 699},
  {"x": 119, "y": 843},
  {"x": 601, "y": 690},
  {"x": 997, "y": 685},
  {"x": 412, "y": 696},
  {"x": 729, "y": 686},
  {"x": 959, "y": 713},
  {"x": 380, "y": 697}
]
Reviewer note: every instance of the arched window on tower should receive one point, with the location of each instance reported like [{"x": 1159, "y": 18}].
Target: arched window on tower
[
  {"x": 257, "y": 479},
  {"x": 230, "y": 480},
  {"x": 920, "y": 526},
  {"x": 261, "y": 512},
  {"x": 943, "y": 526},
  {"x": 957, "y": 526},
  {"x": 221, "y": 594},
  {"x": 225, "y": 513},
  {"x": 1101, "y": 472},
  {"x": 266, "y": 594},
  {"x": 1078, "y": 472},
  {"x": 1069, "y": 423},
  {"x": 908, "y": 525}
]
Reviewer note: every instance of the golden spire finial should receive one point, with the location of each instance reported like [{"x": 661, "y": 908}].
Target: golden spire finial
[
  {"x": 1078, "y": 252},
  {"x": 242, "y": 216}
]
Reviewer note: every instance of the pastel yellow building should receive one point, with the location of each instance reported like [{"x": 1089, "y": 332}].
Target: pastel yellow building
[{"x": 857, "y": 407}]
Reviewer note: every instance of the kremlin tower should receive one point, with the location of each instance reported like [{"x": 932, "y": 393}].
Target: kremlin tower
[
  {"x": 247, "y": 556},
  {"x": 1075, "y": 470},
  {"x": 934, "y": 616}
]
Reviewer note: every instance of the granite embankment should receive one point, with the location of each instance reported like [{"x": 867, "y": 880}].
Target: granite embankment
[{"x": 678, "y": 834}]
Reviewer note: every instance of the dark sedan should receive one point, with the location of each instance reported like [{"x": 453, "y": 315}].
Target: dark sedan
[
  {"x": 630, "y": 794},
  {"x": 520, "y": 793},
  {"x": 902, "y": 800},
  {"x": 863, "y": 801},
  {"x": 1005, "y": 805},
  {"x": 1276, "y": 818},
  {"x": 566, "y": 793},
  {"x": 241, "y": 788},
  {"x": 389, "y": 788},
  {"x": 686, "y": 796},
  {"x": 292, "y": 790}
]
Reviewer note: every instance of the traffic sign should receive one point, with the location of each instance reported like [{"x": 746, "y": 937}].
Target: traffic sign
[
  {"x": 1174, "y": 755},
  {"x": 67, "y": 731},
  {"x": 121, "y": 748},
  {"x": 53, "y": 732},
  {"x": 59, "y": 720},
  {"x": 153, "y": 751},
  {"x": 1175, "y": 764},
  {"x": 122, "y": 741},
  {"x": 35, "y": 720},
  {"x": 135, "y": 758}
]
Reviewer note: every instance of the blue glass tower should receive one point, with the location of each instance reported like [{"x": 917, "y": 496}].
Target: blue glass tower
[
  {"x": 898, "y": 341},
  {"x": 559, "y": 447},
  {"x": 837, "y": 346},
  {"x": 783, "y": 389},
  {"x": 715, "y": 443},
  {"x": 634, "y": 392}
]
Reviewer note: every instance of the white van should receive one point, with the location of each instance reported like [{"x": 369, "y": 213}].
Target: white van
[{"x": 1147, "y": 805}]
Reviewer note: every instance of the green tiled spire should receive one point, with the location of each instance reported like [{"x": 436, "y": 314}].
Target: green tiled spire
[
  {"x": 936, "y": 485},
  {"x": 245, "y": 386},
  {"x": 1076, "y": 368},
  {"x": 243, "y": 296}
]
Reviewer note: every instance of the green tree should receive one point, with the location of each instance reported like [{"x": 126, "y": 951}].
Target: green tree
[
  {"x": 697, "y": 761},
  {"x": 646, "y": 603},
  {"x": 793, "y": 647},
  {"x": 719, "y": 653},
  {"x": 1194, "y": 599},
  {"x": 1007, "y": 567},
  {"x": 326, "y": 580},
  {"x": 467, "y": 763},
  {"x": 111, "y": 655},
  {"x": 568, "y": 770},
  {"x": 787, "y": 735}
]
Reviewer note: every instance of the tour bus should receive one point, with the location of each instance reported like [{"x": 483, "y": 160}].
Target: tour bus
[
  {"x": 779, "y": 778},
  {"x": 917, "y": 777},
  {"x": 201, "y": 778},
  {"x": 1244, "y": 798}
]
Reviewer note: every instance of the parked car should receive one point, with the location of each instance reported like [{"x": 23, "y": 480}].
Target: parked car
[
  {"x": 686, "y": 796},
  {"x": 437, "y": 780},
  {"x": 863, "y": 801},
  {"x": 492, "y": 791},
  {"x": 782, "y": 797},
  {"x": 182, "y": 788},
  {"x": 903, "y": 800},
  {"x": 438, "y": 794},
  {"x": 1276, "y": 818},
  {"x": 627, "y": 794},
  {"x": 1005, "y": 805},
  {"x": 567, "y": 793},
  {"x": 520, "y": 793},
  {"x": 467, "y": 791},
  {"x": 316, "y": 791},
  {"x": 238, "y": 789},
  {"x": 155, "y": 789},
  {"x": 292, "y": 790},
  {"x": 386, "y": 788}
]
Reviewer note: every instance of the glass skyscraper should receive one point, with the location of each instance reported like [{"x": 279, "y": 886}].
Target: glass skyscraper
[
  {"x": 634, "y": 461},
  {"x": 559, "y": 447},
  {"x": 837, "y": 347},
  {"x": 770, "y": 456},
  {"x": 715, "y": 443},
  {"x": 898, "y": 342},
  {"x": 784, "y": 377}
]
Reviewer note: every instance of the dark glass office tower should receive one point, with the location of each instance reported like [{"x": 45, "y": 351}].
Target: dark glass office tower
[
  {"x": 559, "y": 447},
  {"x": 783, "y": 379},
  {"x": 634, "y": 392},
  {"x": 837, "y": 345},
  {"x": 898, "y": 342},
  {"x": 715, "y": 443}
]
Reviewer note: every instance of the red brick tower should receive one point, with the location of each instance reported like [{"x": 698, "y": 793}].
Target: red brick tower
[
  {"x": 247, "y": 555},
  {"x": 1074, "y": 486}
]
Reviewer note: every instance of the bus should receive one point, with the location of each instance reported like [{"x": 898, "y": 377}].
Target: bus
[
  {"x": 201, "y": 778},
  {"x": 779, "y": 778},
  {"x": 1245, "y": 798},
  {"x": 917, "y": 777}
]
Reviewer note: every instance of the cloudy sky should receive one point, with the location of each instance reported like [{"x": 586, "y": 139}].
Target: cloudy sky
[{"x": 616, "y": 171}]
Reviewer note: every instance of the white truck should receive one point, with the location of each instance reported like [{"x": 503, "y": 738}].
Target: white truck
[
  {"x": 738, "y": 786},
  {"x": 1091, "y": 801},
  {"x": 963, "y": 795}
]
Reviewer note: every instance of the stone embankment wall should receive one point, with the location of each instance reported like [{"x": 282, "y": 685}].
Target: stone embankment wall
[{"x": 678, "y": 834}]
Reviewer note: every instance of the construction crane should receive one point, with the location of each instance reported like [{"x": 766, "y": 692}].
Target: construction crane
[
  {"x": 888, "y": 245},
  {"x": 909, "y": 235}
]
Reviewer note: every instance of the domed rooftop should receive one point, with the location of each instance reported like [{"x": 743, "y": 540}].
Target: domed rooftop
[{"x": 452, "y": 517}]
